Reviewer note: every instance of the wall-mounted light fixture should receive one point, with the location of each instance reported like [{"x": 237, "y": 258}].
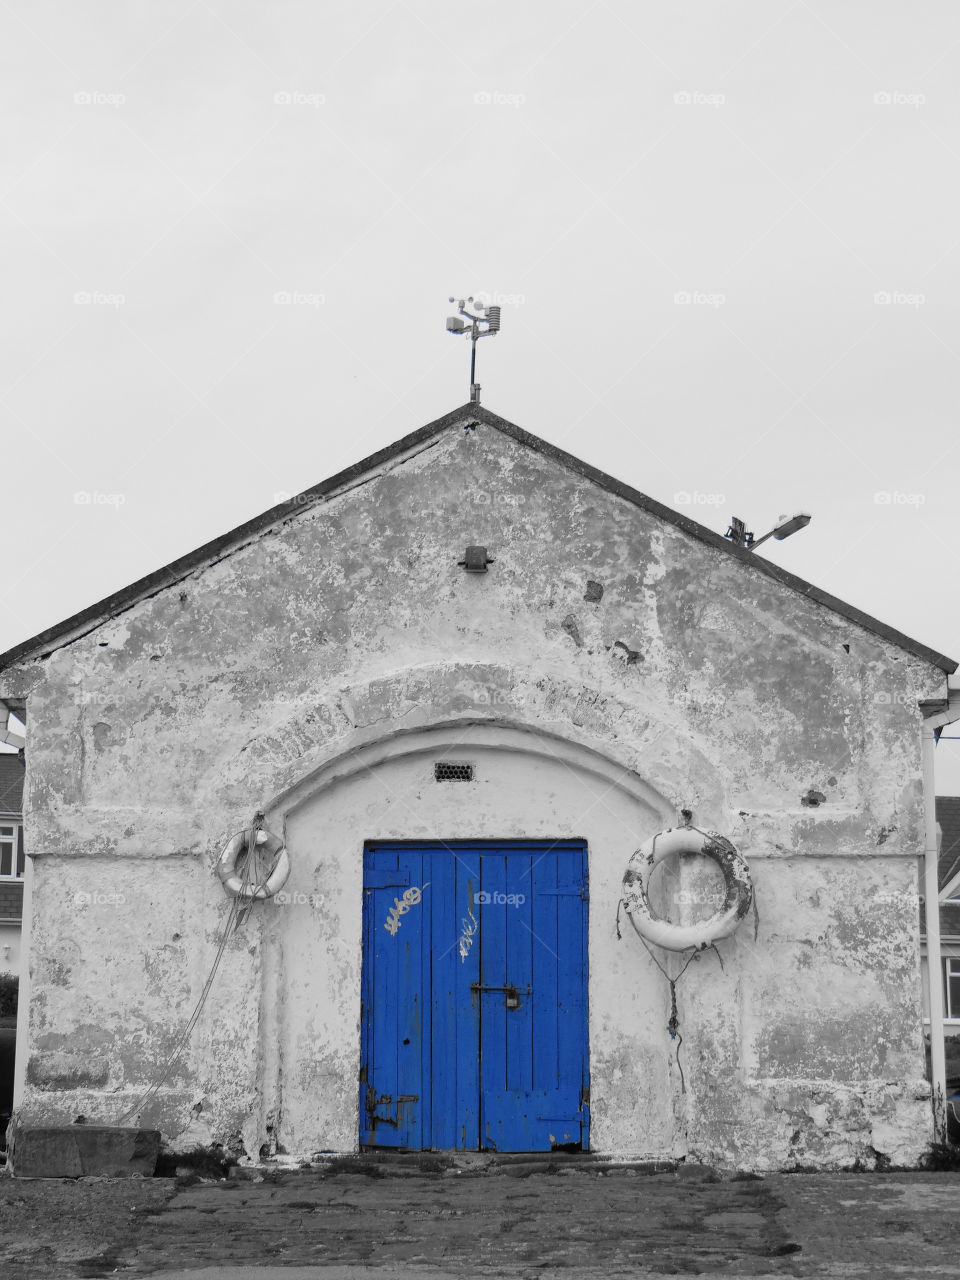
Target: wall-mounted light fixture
[
  {"x": 737, "y": 533},
  {"x": 475, "y": 560}
]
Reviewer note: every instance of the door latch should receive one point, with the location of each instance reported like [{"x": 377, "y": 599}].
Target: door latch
[{"x": 510, "y": 991}]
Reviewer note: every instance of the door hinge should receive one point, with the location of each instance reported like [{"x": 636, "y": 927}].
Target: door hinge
[{"x": 584, "y": 1096}]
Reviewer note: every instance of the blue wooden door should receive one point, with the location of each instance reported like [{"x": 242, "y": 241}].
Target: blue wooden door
[{"x": 474, "y": 996}]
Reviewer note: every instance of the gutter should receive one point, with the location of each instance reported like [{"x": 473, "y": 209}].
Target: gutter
[{"x": 935, "y": 716}]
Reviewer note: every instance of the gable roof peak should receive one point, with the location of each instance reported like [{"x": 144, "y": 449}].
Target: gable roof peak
[{"x": 467, "y": 415}]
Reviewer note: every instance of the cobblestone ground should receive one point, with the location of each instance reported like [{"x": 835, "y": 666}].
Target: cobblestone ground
[{"x": 517, "y": 1222}]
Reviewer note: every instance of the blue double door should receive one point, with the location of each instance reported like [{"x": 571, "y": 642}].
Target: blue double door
[{"x": 474, "y": 996}]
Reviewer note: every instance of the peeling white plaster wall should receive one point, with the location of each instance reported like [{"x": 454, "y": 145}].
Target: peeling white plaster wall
[{"x": 253, "y": 684}]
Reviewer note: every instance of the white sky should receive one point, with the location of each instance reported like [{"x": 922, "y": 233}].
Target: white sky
[{"x": 781, "y": 163}]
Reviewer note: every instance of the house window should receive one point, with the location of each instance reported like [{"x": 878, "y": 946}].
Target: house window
[
  {"x": 11, "y": 854},
  {"x": 951, "y": 965}
]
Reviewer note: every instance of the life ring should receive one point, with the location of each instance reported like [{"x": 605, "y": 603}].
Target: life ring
[
  {"x": 675, "y": 937},
  {"x": 243, "y": 888}
]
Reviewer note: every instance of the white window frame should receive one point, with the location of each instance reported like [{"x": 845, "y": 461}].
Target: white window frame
[
  {"x": 951, "y": 969},
  {"x": 15, "y": 842}
]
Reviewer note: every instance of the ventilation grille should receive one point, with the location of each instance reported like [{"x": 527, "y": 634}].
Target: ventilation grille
[{"x": 450, "y": 772}]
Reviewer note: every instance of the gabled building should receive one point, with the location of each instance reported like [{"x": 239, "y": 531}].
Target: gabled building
[{"x": 459, "y": 684}]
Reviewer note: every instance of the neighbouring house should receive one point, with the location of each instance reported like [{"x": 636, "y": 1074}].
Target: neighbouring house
[
  {"x": 12, "y": 860},
  {"x": 948, "y": 821},
  {"x": 462, "y": 682}
]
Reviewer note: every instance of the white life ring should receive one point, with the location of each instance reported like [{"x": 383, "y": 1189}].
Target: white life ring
[
  {"x": 675, "y": 937},
  {"x": 235, "y": 884}
]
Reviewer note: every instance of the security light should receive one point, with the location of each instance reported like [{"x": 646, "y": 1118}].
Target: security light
[
  {"x": 791, "y": 525},
  {"x": 739, "y": 536}
]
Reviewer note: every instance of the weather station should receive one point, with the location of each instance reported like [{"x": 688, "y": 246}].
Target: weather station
[{"x": 470, "y": 327}]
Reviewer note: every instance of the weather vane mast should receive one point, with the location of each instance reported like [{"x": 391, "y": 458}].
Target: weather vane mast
[{"x": 481, "y": 314}]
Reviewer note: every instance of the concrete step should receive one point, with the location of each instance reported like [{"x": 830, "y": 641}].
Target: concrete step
[{"x": 382, "y": 1164}]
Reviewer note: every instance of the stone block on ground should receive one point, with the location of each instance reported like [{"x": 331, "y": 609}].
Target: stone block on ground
[{"x": 82, "y": 1151}]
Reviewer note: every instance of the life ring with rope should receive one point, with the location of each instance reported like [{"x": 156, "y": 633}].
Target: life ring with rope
[
  {"x": 243, "y": 886},
  {"x": 738, "y": 896}
]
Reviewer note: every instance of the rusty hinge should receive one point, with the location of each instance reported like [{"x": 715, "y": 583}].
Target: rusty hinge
[
  {"x": 372, "y": 1101},
  {"x": 584, "y": 1096},
  {"x": 363, "y": 1074}
]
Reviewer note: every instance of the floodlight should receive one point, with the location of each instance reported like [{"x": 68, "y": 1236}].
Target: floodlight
[
  {"x": 791, "y": 525},
  {"x": 785, "y": 526}
]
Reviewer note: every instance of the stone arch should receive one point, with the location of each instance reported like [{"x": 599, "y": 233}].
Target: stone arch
[
  {"x": 324, "y": 738},
  {"x": 466, "y": 735},
  {"x": 312, "y": 948}
]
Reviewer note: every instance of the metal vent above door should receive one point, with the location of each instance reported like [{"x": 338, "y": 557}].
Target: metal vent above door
[{"x": 448, "y": 771}]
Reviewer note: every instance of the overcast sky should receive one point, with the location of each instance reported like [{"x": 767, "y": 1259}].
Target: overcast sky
[{"x": 725, "y": 236}]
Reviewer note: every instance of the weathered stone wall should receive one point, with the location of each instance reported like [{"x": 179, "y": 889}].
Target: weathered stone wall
[{"x": 667, "y": 671}]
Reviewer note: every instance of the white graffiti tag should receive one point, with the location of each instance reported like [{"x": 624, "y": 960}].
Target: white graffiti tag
[
  {"x": 466, "y": 937},
  {"x": 400, "y": 908}
]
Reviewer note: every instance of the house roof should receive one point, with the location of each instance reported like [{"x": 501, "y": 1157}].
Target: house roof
[
  {"x": 11, "y": 783},
  {"x": 87, "y": 620}
]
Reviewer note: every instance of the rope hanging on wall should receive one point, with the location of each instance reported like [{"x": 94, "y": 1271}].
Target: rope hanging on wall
[
  {"x": 240, "y": 906},
  {"x": 739, "y": 897}
]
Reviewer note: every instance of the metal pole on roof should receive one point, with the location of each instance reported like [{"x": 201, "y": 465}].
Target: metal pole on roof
[{"x": 482, "y": 314}]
